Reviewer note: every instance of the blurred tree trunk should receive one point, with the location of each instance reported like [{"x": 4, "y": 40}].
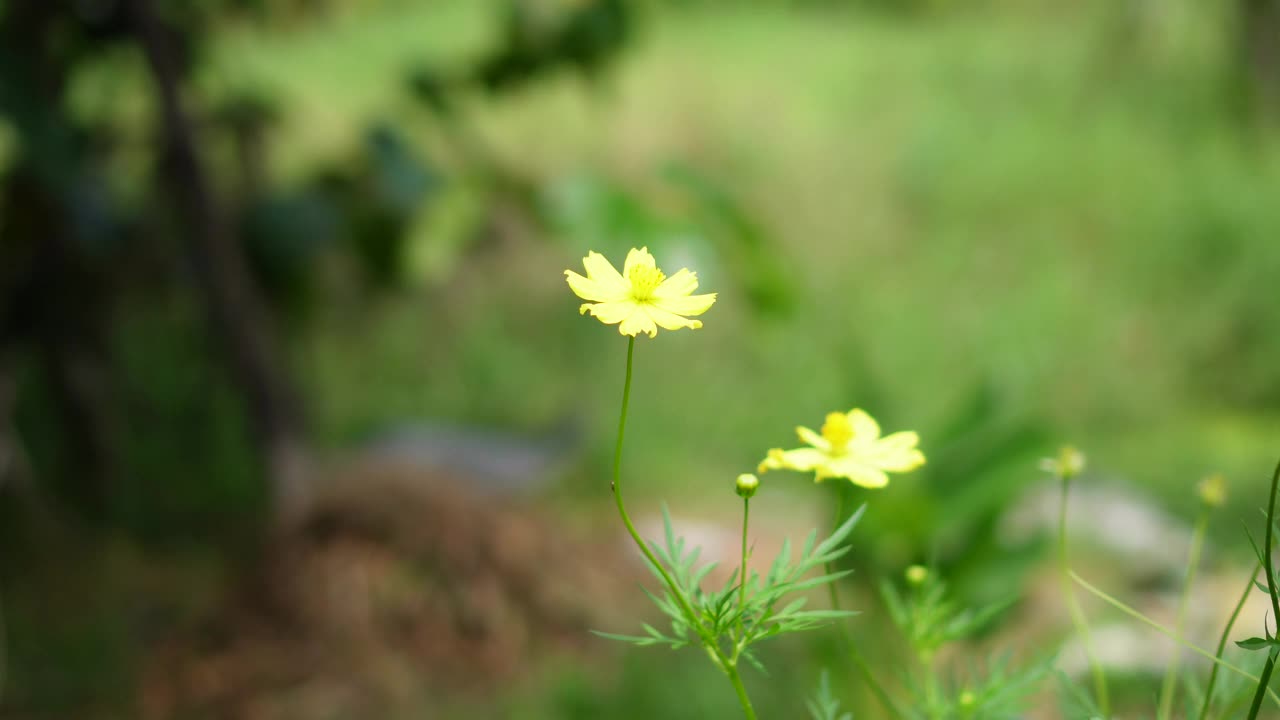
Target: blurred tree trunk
[
  {"x": 52, "y": 296},
  {"x": 1260, "y": 42},
  {"x": 237, "y": 313}
]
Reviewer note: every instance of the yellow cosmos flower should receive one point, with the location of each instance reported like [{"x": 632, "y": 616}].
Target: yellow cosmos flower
[
  {"x": 1068, "y": 464},
  {"x": 640, "y": 299},
  {"x": 849, "y": 447}
]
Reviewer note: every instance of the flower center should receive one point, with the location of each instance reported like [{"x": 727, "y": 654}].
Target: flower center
[
  {"x": 644, "y": 280},
  {"x": 837, "y": 431}
]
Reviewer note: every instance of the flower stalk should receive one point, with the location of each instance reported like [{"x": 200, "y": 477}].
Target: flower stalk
[
  {"x": 1193, "y": 561},
  {"x": 1069, "y": 463},
  {"x": 725, "y": 662},
  {"x": 1265, "y": 681},
  {"x": 846, "y": 637},
  {"x": 1222, "y": 643},
  {"x": 616, "y": 486}
]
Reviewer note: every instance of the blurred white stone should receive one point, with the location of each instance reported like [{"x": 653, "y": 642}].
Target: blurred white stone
[{"x": 1110, "y": 518}]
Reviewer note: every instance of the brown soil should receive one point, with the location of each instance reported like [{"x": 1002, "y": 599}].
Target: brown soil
[{"x": 392, "y": 587}]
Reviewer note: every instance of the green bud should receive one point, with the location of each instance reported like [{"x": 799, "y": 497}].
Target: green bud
[
  {"x": 968, "y": 699},
  {"x": 747, "y": 484},
  {"x": 1213, "y": 490},
  {"x": 917, "y": 574}
]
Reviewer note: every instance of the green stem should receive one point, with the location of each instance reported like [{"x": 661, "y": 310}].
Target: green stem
[
  {"x": 846, "y": 637},
  {"x": 829, "y": 566},
  {"x": 731, "y": 669},
  {"x": 742, "y": 567},
  {"x": 616, "y": 486},
  {"x": 930, "y": 686},
  {"x": 869, "y": 677},
  {"x": 1262, "y": 685},
  {"x": 1193, "y": 561},
  {"x": 1272, "y": 590},
  {"x": 1166, "y": 631},
  {"x": 1222, "y": 643},
  {"x": 1073, "y": 606},
  {"x": 728, "y": 665}
]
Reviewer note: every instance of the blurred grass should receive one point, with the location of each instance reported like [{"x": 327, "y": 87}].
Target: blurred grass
[
  {"x": 1023, "y": 200},
  {"x": 1011, "y": 196}
]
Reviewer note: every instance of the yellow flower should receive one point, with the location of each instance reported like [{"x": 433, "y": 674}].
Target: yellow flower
[
  {"x": 1068, "y": 464},
  {"x": 850, "y": 447},
  {"x": 640, "y": 299}
]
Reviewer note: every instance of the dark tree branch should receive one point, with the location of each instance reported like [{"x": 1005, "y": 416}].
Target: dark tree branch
[{"x": 237, "y": 314}]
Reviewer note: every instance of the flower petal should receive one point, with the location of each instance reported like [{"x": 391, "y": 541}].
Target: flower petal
[
  {"x": 600, "y": 270},
  {"x": 681, "y": 284},
  {"x": 611, "y": 313},
  {"x": 865, "y": 429},
  {"x": 897, "y": 453},
  {"x": 858, "y": 472},
  {"x": 813, "y": 438},
  {"x": 595, "y": 290},
  {"x": 638, "y": 257},
  {"x": 800, "y": 459},
  {"x": 685, "y": 305},
  {"x": 638, "y": 322},
  {"x": 670, "y": 321}
]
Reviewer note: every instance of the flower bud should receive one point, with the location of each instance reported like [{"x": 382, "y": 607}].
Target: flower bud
[
  {"x": 747, "y": 484},
  {"x": 1068, "y": 464},
  {"x": 1213, "y": 490},
  {"x": 968, "y": 700},
  {"x": 917, "y": 574}
]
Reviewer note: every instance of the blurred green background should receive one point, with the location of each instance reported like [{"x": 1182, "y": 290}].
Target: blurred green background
[{"x": 250, "y": 249}]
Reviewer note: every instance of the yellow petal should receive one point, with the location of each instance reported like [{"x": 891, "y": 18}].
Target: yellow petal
[
  {"x": 897, "y": 453},
  {"x": 611, "y": 313},
  {"x": 679, "y": 285},
  {"x": 637, "y": 258},
  {"x": 857, "y": 472},
  {"x": 671, "y": 321},
  {"x": 813, "y": 438},
  {"x": 589, "y": 289},
  {"x": 865, "y": 429},
  {"x": 601, "y": 271},
  {"x": 800, "y": 459},
  {"x": 771, "y": 461},
  {"x": 685, "y": 305},
  {"x": 638, "y": 322}
]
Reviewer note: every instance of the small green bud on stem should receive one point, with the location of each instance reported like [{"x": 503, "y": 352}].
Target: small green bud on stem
[
  {"x": 1068, "y": 464},
  {"x": 1213, "y": 491},
  {"x": 916, "y": 575}
]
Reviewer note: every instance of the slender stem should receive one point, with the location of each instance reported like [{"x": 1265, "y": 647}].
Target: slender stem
[
  {"x": 829, "y": 566},
  {"x": 930, "y": 685},
  {"x": 1266, "y": 549},
  {"x": 1193, "y": 561},
  {"x": 846, "y": 637},
  {"x": 616, "y": 486},
  {"x": 1165, "y": 631},
  {"x": 1222, "y": 643},
  {"x": 717, "y": 655},
  {"x": 865, "y": 671},
  {"x": 1073, "y": 606},
  {"x": 731, "y": 669},
  {"x": 1272, "y": 590},
  {"x": 1256, "y": 705},
  {"x": 742, "y": 567}
]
